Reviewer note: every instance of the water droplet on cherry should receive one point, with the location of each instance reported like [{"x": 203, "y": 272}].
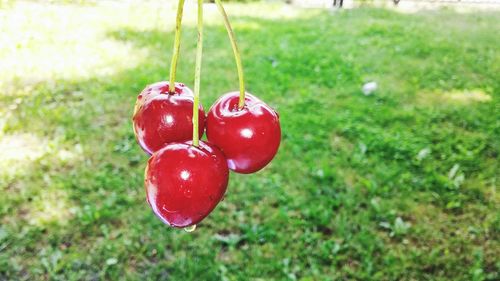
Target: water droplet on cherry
[{"x": 190, "y": 228}]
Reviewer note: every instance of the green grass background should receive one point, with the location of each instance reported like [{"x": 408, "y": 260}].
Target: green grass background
[{"x": 398, "y": 185}]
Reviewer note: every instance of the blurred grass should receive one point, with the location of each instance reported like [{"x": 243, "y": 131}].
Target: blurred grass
[{"x": 399, "y": 185}]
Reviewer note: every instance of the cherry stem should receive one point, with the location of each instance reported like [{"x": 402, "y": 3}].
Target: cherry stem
[
  {"x": 177, "y": 45},
  {"x": 197, "y": 75},
  {"x": 236, "y": 51}
]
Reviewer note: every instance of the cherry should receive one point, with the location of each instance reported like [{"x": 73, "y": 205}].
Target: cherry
[
  {"x": 249, "y": 137},
  {"x": 184, "y": 183},
  {"x": 161, "y": 117}
]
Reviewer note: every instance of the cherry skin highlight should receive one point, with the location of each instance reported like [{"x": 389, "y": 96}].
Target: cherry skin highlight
[
  {"x": 161, "y": 117},
  {"x": 185, "y": 183},
  {"x": 249, "y": 137}
]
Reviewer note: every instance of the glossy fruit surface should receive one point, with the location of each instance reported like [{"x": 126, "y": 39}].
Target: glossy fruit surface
[
  {"x": 249, "y": 137},
  {"x": 161, "y": 118},
  {"x": 184, "y": 183}
]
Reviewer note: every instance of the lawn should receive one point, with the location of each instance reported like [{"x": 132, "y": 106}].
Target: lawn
[{"x": 397, "y": 185}]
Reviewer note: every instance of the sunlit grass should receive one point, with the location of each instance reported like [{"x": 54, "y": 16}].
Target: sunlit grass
[
  {"x": 40, "y": 42},
  {"x": 52, "y": 207},
  {"x": 17, "y": 151},
  {"x": 463, "y": 97}
]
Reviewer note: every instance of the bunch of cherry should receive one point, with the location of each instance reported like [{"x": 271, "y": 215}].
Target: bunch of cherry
[{"x": 185, "y": 177}]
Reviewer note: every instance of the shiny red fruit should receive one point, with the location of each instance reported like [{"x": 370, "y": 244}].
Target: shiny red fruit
[
  {"x": 249, "y": 137},
  {"x": 161, "y": 117},
  {"x": 184, "y": 183}
]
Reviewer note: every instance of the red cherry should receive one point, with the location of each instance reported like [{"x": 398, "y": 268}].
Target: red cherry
[
  {"x": 184, "y": 183},
  {"x": 161, "y": 117},
  {"x": 249, "y": 137}
]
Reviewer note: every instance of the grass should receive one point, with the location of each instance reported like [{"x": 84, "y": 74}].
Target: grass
[{"x": 397, "y": 185}]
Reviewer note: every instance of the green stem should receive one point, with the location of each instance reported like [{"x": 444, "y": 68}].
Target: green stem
[
  {"x": 236, "y": 52},
  {"x": 197, "y": 75},
  {"x": 177, "y": 45}
]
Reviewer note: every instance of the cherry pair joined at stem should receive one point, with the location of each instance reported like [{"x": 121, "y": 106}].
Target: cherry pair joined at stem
[{"x": 184, "y": 180}]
